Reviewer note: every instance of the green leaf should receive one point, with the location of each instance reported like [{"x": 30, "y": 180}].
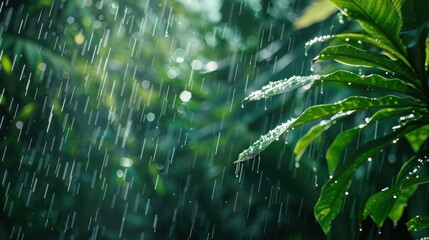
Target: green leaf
[
  {"x": 359, "y": 38},
  {"x": 398, "y": 4},
  {"x": 349, "y": 55},
  {"x": 415, "y": 30},
  {"x": 314, "y": 13},
  {"x": 415, "y": 40},
  {"x": 265, "y": 141},
  {"x": 343, "y": 139},
  {"x": 414, "y": 14},
  {"x": 372, "y": 80},
  {"x": 379, "y": 199},
  {"x": 394, "y": 208},
  {"x": 346, "y": 77},
  {"x": 379, "y": 18},
  {"x": 282, "y": 86},
  {"x": 332, "y": 195},
  {"x": 379, "y": 215},
  {"x": 399, "y": 205},
  {"x": 320, "y": 111},
  {"x": 396, "y": 212},
  {"x": 421, "y": 155},
  {"x": 315, "y": 132},
  {"x": 418, "y": 223},
  {"x": 417, "y": 137}
]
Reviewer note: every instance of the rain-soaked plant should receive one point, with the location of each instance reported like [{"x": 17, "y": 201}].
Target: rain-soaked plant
[{"x": 394, "y": 39}]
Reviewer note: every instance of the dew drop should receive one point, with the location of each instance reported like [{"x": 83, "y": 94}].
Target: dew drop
[{"x": 19, "y": 125}]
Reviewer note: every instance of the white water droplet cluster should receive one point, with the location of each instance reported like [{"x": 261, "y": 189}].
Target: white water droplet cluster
[
  {"x": 278, "y": 87},
  {"x": 318, "y": 40},
  {"x": 265, "y": 140}
]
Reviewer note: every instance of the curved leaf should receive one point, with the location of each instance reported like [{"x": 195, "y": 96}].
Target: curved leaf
[
  {"x": 320, "y": 111},
  {"x": 397, "y": 210},
  {"x": 282, "y": 86},
  {"x": 417, "y": 137},
  {"x": 415, "y": 40},
  {"x": 332, "y": 195},
  {"x": 379, "y": 18},
  {"x": 421, "y": 155},
  {"x": 315, "y": 132},
  {"x": 380, "y": 214},
  {"x": 414, "y": 14},
  {"x": 343, "y": 139},
  {"x": 349, "y": 55},
  {"x": 360, "y": 38},
  {"x": 373, "y": 80},
  {"x": 392, "y": 207},
  {"x": 418, "y": 223},
  {"x": 380, "y": 198},
  {"x": 265, "y": 140},
  {"x": 398, "y": 4}
]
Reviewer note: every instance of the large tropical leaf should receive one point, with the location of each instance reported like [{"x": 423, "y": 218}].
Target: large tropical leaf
[
  {"x": 419, "y": 158},
  {"x": 350, "y": 55},
  {"x": 380, "y": 18},
  {"x": 332, "y": 195},
  {"x": 415, "y": 31},
  {"x": 315, "y": 132},
  {"x": 394, "y": 207},
  {"x": 417, "y": 137},
  {"x": 373, "y": 80},
  {"x": 396, "y": 211},
  {"x": 383, "y": 198},
  {"x": 398, "y": 4},
  {"x": 282, "y": 86},
  {"x": 405, "y": 55},
  {"x": 415, "y": 41},
  {"x": 360, "y": 39},
  {"x": 343, "y": 139},
  {"x": 320, "y": 111},
  {"x": 414, "y": 14},
  {"x": 418, "y": 222}
]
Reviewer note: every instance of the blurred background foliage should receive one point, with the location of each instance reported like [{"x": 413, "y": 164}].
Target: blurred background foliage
[{"x": 121, "y": 120}]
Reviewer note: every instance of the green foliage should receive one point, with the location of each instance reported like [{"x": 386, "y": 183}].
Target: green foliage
[
  {"x": 395, "y": 41},
  {"x": 418, "y": 222}
]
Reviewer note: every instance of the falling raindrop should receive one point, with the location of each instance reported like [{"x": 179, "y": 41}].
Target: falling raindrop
[
  {"x": 185, "y": 96},
  {"x": 150, "y": 117},
  {"x": 19, "y": 124}
]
